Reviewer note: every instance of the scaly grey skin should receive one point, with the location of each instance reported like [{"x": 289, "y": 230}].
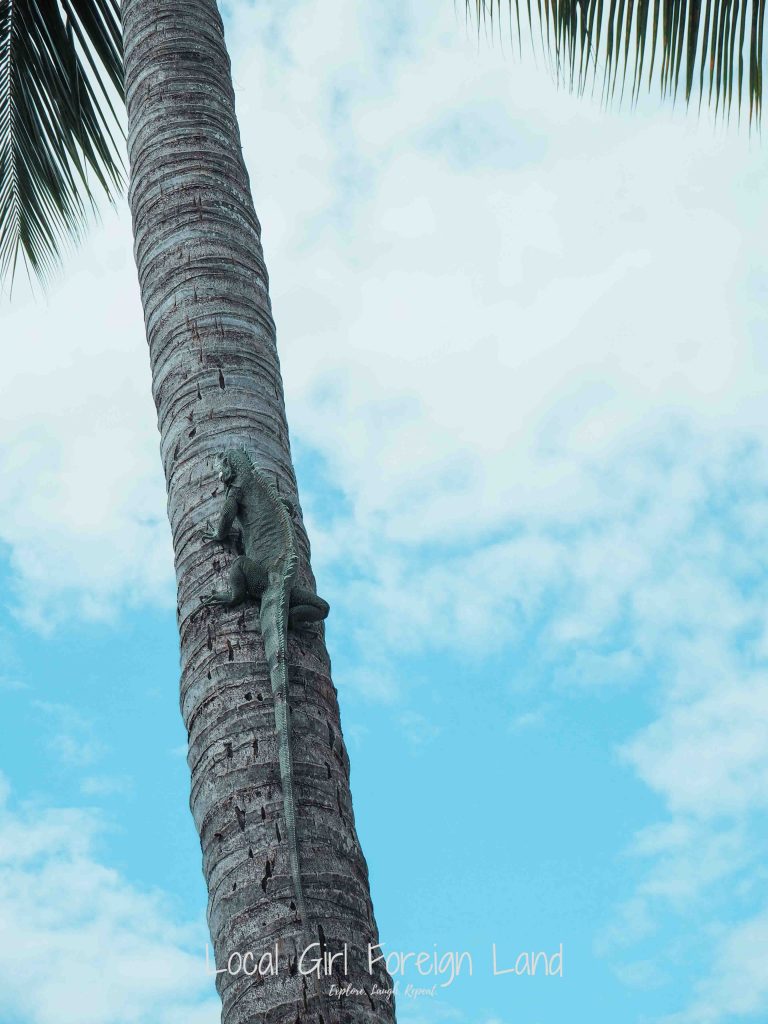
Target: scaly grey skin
[{"x": 266, "y": 571}]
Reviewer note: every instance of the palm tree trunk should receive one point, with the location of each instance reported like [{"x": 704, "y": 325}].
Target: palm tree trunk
[{"x": 216, "y": 383}]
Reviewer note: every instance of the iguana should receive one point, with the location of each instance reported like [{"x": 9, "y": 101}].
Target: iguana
[{"x": 266, "y": 571}]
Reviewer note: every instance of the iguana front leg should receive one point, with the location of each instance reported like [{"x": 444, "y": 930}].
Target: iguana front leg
[
  {"x": 223, "y": 531},
  {"x": 238, "y": 584}
]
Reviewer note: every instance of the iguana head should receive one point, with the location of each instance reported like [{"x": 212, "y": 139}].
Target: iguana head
[{"x": 234, "y": 467}]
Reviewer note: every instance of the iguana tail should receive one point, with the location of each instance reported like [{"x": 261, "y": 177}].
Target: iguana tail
[{"x": 274, "y": 627}]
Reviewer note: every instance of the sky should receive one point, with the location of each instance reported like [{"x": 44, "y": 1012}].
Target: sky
[{"x": 525, "y": 350}]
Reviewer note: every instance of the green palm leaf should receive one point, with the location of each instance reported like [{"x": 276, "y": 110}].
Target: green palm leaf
[
  {"x": 60, "y": 64},
  {"x": 716, "y": 45}
]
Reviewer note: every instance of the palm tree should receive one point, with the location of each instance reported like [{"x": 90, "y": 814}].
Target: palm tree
[
  {"x": 217, "y": 384},
  {"x": 709, "y": 42}
]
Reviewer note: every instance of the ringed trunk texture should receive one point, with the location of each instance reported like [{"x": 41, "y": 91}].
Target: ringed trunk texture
[{"x": 216, "y": 384}]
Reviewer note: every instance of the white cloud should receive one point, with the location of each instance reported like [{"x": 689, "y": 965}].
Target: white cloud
[
  {"x": 81, "y": 944},
  {"x": 418, "y": 729},
  {"x": 106, "y": 785},
  {"x": 70, "y": 735},
  {"x": 738, "y": 985},
  {"x": 457, "y": 250},
  {"x": 709, "y": 756},
  {"x": 9, "y": 684},
  {"x": 642, "y": 974},
  {"x": 84, "y": 517},
  {"x": 529, "y": 719}
]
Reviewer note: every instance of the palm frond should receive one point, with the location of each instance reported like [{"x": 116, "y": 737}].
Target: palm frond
[
  {"x": 60, "y": 66},
  {"x": 716, "y": 46}
]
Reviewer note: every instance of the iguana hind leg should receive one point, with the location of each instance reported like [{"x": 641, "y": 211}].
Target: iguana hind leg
[
  {"x": 246, "y": 579},
  {"x": 306, "y": 608}
]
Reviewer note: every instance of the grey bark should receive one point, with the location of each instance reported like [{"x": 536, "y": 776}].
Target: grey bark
[{"x": 216, "y": 383}]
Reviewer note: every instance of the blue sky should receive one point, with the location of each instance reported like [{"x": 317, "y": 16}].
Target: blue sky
[{"x": 524, "y": 347}]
